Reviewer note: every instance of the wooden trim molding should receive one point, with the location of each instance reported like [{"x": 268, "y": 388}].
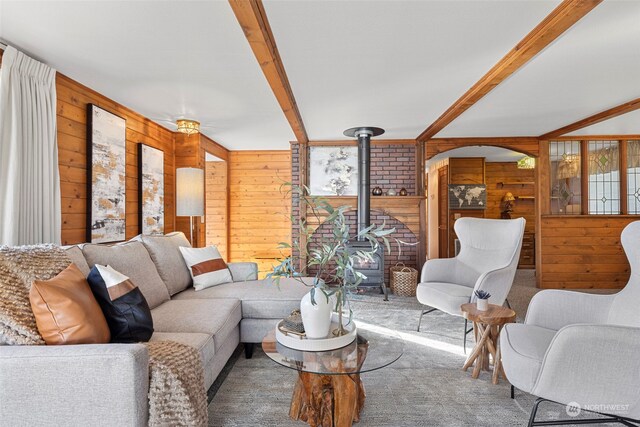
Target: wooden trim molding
[
  {"x": 524, "y": 144},
  {"x": 253, "y": 20},
  {"x": 555, "y": 24},
  {"x": 619, "y": 110}
]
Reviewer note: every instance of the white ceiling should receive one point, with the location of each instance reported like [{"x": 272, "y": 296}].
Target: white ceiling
[
  {"x": 164, "y": 59},
  {"x": 626, "y": 124},
  {"x": 393, "y": 64},
  {"x": 594, "y": 66},
  {"x": 490, "y": 154}
]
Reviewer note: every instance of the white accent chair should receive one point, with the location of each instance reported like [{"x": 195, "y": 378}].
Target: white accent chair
[
  {"x": 488, "y": 260},
  {"x": 581, "y": 348}
]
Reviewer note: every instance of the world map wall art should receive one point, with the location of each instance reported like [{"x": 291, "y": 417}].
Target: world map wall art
[
  {"x": 333, "y": 171},
  {"x": 151, "y": 190},
  {"x": 467, "y": 196},
  {"x": 106, "y": 168}
]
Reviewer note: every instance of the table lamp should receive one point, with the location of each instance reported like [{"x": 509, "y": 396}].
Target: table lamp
[{"x": 190, "y": 195}]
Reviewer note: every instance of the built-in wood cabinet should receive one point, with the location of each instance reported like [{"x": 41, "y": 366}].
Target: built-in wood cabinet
[{"x": 528, "y": 251}]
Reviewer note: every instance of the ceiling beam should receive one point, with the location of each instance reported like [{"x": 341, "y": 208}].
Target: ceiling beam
[
  {"x": 619, "y": 110},
  {"x": 557, "y": 22},
  {"x": 253, "y": 20}
]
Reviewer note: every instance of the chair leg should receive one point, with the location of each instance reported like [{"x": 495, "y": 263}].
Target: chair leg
[
  {"x": 422, "y": 313},
  {"x": 506, "y": 301},
  {"x": 513, "y": 392},
  {"x": 466, "y": 332},
  {"x": 464, "y": 340},
  {"x": 534, "y": 411},
  {"x": 605, "y": 419}
]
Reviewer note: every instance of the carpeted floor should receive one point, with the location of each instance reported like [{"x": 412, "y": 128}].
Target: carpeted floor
[{"x": 425, "y": 387}]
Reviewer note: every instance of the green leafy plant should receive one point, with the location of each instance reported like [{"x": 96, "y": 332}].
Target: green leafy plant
[{"x": 333, "y": 265}]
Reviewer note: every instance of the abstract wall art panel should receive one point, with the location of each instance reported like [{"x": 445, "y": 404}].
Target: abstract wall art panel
[
  {"x": 151, "y": 190},
  {"x": 106, "y": 181}
]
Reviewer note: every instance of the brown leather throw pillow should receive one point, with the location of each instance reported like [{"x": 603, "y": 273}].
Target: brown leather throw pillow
[{"x": 66, "y": 311}]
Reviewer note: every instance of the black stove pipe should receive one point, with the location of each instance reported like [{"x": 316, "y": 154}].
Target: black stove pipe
[
  {"x": 364, "y": 181},
  {"x": 364, "y": 135}
]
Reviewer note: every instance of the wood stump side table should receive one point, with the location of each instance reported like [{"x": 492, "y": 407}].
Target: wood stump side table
[
  {"x": 486, "y": 329},
  {"x": 329, "y": 391}
]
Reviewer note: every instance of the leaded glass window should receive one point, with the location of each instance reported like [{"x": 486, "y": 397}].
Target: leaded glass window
[
  {"x": 565, "y": 177},
  {"x": 633, "y": 177},
  {"x": 604, "y": 177}
]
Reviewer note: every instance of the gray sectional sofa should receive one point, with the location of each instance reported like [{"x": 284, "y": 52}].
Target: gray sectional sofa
[{"x": 108, "y": 384}]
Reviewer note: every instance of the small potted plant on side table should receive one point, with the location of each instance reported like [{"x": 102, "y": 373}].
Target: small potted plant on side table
[{"x": 482, "y": 302}]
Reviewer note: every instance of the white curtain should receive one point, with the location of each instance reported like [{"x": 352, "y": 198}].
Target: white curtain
[{"x": 30, "y": 210}]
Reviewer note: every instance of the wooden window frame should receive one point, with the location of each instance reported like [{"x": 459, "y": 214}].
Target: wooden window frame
[{"x": 584, "y": 177}]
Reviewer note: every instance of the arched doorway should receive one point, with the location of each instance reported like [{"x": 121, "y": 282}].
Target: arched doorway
[{"x": 509, "y": 191}]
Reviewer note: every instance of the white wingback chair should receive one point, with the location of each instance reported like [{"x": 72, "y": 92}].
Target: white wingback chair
[
  {"x": 581, "y": 348},
  {"x": 488, "y": 260}
]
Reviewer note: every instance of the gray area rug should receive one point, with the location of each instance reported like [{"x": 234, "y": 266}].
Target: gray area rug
[{"x": 425, "y": 387}]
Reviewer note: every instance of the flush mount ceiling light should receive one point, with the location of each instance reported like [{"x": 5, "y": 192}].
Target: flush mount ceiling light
[
  {"x": 527, "y": 163},
  {"x": 188, "y": 126}
]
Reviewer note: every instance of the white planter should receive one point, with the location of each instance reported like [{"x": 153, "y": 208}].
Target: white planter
[
  {"x": 482, "y": 304},
  {"x": 316, "y": 317}
]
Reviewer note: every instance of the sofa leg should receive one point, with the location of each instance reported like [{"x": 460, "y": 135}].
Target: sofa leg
[{"x": 248, "y": 349}]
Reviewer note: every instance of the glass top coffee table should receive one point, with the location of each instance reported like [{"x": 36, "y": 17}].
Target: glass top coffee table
[{"x": 329, "y": 391}]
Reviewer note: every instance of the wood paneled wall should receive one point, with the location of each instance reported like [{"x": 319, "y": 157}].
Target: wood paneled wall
[
  {"x": 502, "y": 177},
  {"x": 72, "y": 151},
  {"x": 464, "y": 171},
  {"x": 216, "y": 193},
  {"x": 190, "y": 151},
  {"x": 582, "y": 252},
  {"x": 72, "y": 100},
  {"x": 259, "y": 213}
]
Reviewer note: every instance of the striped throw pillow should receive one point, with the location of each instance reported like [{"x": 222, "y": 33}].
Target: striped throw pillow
[{"x": 206, "y": 266}]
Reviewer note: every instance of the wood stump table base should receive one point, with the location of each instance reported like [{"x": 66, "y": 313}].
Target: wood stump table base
[{"x": 327, "y": 400}]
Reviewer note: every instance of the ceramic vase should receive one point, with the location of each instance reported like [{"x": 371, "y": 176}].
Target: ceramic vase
[
  {"x": 316, "y": 318},
  {"x": 482, "y": 304}
]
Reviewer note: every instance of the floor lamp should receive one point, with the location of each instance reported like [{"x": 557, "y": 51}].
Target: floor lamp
[{"x": 190, "y": 195}]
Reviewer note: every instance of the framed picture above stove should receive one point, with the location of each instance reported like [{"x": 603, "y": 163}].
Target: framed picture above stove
[{"x": 333, "y": 171}]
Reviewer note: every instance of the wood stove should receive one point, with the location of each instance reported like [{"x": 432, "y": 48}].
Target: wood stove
[{"x": 372, "y": 269}]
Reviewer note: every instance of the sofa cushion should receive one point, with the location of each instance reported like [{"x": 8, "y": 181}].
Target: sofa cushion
[
  {"x": 201, "y": 342},
  {"x": 523, "y": 348},
  {"x": 213, "y": 317},
  {"x": 77, "y": 257},
  {"x": 66, "y": 311},
  {"x": 206, "y": 266},
  {"x": 447, "y": 297},
  {"x": 132, "y": 260},
  {"x": 261, "y": 299},
  {"x": 122, "y": 303},
  {"x": 168, "y": 259}
]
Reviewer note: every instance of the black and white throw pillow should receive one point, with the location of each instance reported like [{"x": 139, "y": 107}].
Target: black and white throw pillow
[{"x": 125, "y": 308}]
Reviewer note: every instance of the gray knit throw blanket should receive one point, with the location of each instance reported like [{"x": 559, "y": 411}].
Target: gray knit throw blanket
[{"x": 176, "y": 378}]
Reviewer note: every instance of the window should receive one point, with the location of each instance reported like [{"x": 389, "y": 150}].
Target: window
[
  {"x": 599, "y": 177},
  {"x": 565, "y": 180},
  {"x": 604, "y": 177},
  {"x": 633, "y": 177}
]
